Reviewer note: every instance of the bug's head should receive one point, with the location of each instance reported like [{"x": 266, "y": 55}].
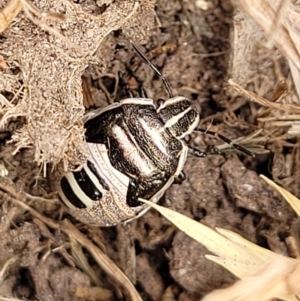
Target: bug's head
[
  {"x": 179, "y": 116},
  {"x": 177, "y": 113}
]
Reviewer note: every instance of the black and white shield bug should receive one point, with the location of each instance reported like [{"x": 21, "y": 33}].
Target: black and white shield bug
[{"x": 136, "y": 150}]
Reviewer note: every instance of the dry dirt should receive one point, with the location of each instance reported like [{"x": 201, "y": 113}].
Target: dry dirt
[{"x": 192, "y": 48}]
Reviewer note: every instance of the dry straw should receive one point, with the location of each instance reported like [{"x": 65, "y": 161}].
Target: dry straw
[
  {"x": 265, "y": 32},
  {"x": 264, "y": 275}
]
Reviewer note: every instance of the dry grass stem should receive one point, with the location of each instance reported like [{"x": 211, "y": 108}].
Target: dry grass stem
[
  {"x": 8, "y": 13},
  {"x": 263, "y": 101},
  {"x": 280, "y": 21}
]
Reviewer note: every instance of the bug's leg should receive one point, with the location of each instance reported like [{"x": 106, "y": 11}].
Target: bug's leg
[
  {"x": 212, "y": 149},
  {"x": 197, "y": 152},
  {"x": 133, "y": 193},
  {"x": 142, "y": 92},
  {"x": 122, "y": 81},
  {"x": 180, "y": 178},
  {"x": 141, "y": 89},
  {"x": 227, "y": 140}
]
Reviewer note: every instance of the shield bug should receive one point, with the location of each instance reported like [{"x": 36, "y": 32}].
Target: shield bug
[{"x": 137, "y": 149}]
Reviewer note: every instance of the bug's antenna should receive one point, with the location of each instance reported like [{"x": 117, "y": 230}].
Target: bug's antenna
[
  {"x": 154, "y": 68},
  {"x": 227, "y": 140}
]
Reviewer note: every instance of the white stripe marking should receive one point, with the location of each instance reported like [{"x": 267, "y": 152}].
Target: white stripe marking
[
  {"x": 176, "y": 99},
  {"x": 113, "y": 177},
  {"x": 78, "y": 191},
  {"x": 155, "y": 136},
  {"x": 191, "y": 127},
  {"x": 137, "y": 101},
  {"x": 94, "y": 179},
  {"x": 175, "y": 118},
  {"x": 65, "y": 199},
  {"x": 131, "y": 152}
]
